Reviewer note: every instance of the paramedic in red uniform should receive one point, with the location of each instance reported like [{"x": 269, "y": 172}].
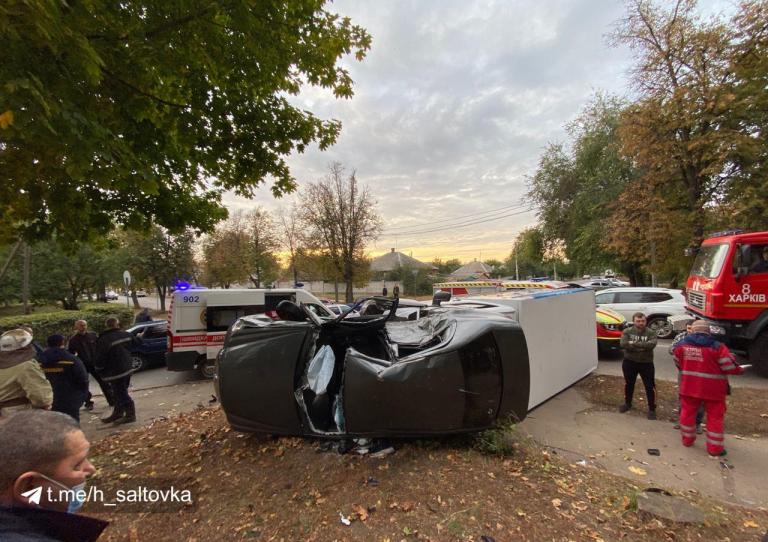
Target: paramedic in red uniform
[{"x": 704, "y": 365}]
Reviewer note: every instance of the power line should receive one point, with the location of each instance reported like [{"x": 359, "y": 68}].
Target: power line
[
  {"x": 460, "y": 217},
  {"x": 461, "y": 225}
]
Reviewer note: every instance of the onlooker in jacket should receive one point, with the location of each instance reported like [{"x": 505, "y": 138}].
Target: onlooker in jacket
[
  {"x": 22, "y": 382},
  {"x": 638, "y": 343},
  {"x": 83, "y": 345},
  {"x": 143, "y": 316},
  {"x": 67, "y": 376},
  {"x": 114, "y": 365},
  {"x": 704, "y": 368},
  {"x": 44, "y": 450}
]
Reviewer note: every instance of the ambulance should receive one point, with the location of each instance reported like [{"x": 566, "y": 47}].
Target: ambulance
[{"x": 198, "y": 320}]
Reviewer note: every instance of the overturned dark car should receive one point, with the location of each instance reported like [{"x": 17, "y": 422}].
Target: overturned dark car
[{"x": 436, "y": 371}]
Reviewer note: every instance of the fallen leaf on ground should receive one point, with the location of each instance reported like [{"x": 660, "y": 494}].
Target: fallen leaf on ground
[
  {"x": 557, "y": 503},
  {"x": 638, "y": 471},
  {"x": 751, "y": 524}
]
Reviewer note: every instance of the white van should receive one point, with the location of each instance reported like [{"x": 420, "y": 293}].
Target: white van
[{"x": 198, "y": 320}]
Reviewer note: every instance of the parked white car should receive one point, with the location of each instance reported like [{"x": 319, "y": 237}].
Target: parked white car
[{"x": 656, "y": 303}]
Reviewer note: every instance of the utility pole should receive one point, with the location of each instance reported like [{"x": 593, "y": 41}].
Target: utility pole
[
  {"x": 554, "y": 268},
  {"x": 25, "y": 279}
]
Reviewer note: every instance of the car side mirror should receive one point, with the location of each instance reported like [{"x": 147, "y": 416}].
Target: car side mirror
[{"x": 439, "y": 297}]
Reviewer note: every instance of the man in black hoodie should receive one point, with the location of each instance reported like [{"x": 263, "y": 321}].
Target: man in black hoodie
[
  {"x": 113, "y": 363},
  {"x": 67, "y": 376}
]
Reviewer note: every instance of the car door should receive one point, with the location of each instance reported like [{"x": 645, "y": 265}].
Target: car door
[{"x": 154, "y": 341}]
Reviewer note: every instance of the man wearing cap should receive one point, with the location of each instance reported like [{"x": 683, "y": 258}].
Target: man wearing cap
[
  {"x": 704, "y": 365},
  {"x": 22, "y": 383},
  {"x": 67, "y": 376}
]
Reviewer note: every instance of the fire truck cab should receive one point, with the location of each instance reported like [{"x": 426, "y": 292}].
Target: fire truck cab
[
  {"x": 728, "y": 287},
  {"x": 198, "y": 321}
]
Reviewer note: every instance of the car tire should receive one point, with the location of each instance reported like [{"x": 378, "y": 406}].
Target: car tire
[
  {"x": 662, "y": 327},
  {"x": 207, "y": 368},
  {"x": 138, "y": 362}
]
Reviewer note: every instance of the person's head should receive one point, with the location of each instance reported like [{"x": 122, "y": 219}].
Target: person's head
[
  {"x": 689, "y": 327},
  {"x": 700, "y": 326},
  {"x": 638, "y": 320},
  {"x": 42, "y": 448},
  {"x": 112, "y": 323},
  {"x": 55, "y": 341},
  {"x": 15, "y": 339},
  {"x": 81, "y": 326}
]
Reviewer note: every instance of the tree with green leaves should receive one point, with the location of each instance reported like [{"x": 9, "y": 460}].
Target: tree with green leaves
[
  {"x": 528, "y": 253},
  {"x": 341, "y": 216},
  {"x": 264, "y": 244},
  {"x": 677, "y": 133},
  {"x": 576, "y": 187},
  {"x": 145, "y": 112}
]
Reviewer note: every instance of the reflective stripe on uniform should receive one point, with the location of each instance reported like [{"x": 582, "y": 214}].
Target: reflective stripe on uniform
[
  {"x": 725, "y": 360},
  {"x": 717, "y": 435},
  {"x": 688, "y": 427},
  {"x": 728, "y": 367},
  {"x": 704, "y": 375}
]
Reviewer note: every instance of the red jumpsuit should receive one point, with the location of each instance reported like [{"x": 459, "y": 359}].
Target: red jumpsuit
[{"x": 704, "y": 364}]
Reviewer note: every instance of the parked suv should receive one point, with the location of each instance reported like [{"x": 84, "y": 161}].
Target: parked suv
[{"x": 656, "y": 303}]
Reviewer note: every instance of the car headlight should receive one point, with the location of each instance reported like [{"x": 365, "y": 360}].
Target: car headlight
[{"x": 716, "y": 330}]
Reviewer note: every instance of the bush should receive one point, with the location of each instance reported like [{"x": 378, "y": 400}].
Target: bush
[{"x": 47, "y": 323}]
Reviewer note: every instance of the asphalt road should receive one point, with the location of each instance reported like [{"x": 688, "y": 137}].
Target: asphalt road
[{"x": 666, "y": 370}]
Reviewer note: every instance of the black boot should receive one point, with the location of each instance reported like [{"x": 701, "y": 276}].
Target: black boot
[
  {"x": 117, "y": 413},
  {"x": 130, "y": 415}
]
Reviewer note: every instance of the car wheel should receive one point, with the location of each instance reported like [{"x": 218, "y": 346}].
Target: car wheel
[
  {"x": 662, "y": 327},
  {"x": 138, "y": 362},
  {"x": 207, "y": 368}
]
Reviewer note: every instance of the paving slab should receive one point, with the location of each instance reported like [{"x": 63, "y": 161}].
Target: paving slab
[{"x": 619, "y": 444}]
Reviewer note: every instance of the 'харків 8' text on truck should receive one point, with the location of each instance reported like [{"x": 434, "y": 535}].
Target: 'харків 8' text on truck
[{"x": 728, "y": 287}]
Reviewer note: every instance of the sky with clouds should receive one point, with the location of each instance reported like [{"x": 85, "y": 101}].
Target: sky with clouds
[{"x": 453, "y": 105}]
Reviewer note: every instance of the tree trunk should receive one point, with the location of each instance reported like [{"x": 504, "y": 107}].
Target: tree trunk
[
  {"x": 25, "y": 279},
  {"x": 161, "y": 291},
  {"x": 135, "y": 299}
]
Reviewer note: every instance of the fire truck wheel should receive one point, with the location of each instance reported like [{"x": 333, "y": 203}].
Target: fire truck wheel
[
  {"x": 207, "y": 368},
  {"x": 662, "y": 327},
  {"x": 758, "y": 353}
]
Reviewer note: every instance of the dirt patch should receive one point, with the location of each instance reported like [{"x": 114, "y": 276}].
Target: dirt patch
[
  {"x": 257, "y": 488},
  {"x": 747, "y": 408}
]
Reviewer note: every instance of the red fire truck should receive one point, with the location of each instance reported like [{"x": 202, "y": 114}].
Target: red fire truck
[{"x": 728, "y": 286}]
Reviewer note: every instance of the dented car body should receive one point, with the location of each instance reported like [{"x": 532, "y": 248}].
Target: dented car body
[{"x": 442, "y": 372}]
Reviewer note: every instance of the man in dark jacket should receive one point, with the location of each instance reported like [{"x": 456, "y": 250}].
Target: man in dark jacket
[
  {"x": 67, "y": 376},
  {"x": 638, "y": 343},
  {"x": 114, "y": 365},
  {"x": 143, "y": 316},
  {"x": 83, "y": 344},
  {"x": 44, "y": 451}
]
